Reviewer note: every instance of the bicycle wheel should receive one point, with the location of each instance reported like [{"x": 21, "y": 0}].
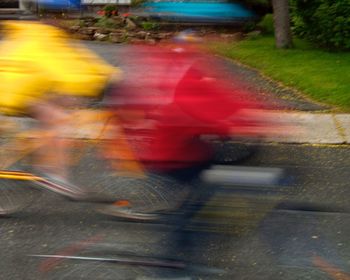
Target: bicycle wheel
[
  {"x": 151, "y": 192},
  {"x": 15, "y": 195}
]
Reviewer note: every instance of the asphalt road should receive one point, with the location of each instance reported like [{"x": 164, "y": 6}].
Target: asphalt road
[{"x": 278, "y": 244}]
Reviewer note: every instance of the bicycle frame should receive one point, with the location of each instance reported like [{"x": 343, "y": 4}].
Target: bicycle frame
[{"x": 93, "y": 125}]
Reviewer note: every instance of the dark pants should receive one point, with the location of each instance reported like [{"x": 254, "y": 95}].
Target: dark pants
[{"x": 181, "y": 239}]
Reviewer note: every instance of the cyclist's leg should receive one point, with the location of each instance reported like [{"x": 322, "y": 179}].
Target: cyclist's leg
[
  {"x": 183, "y": 237},
  {"x": 52, "y": 161},
  {"x": 51, "y": 158},
  {"x": 186, "y": 195}
]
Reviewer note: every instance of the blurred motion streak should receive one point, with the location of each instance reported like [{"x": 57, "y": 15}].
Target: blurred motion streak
[
  {"x": 331, "y": 270},
  {"x": 201, "y": 12},
  {"x": 50, "y": 264}
]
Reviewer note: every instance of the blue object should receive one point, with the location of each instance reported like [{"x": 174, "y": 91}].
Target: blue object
[
  {"x": 59, "y": 4},
  {"x": 198, "y": 11}
]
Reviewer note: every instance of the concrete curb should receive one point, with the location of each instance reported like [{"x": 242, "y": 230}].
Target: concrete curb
[{"x": 311, "y": 128}]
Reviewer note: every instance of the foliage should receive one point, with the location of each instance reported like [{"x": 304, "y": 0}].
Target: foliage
[
  {"x": 149, "y": 25},
  {"x": 135, "y": 3},
  {"x": 81, "y": 23},
  {"x": 322, "y": 75},
  {"x": 110, "y": 10},
  {"x": 326, "y": 23},
  {"x": 266, "y": 24},
  {"x": 106, "y": 22},
  {"x": 249, "y": 26}
]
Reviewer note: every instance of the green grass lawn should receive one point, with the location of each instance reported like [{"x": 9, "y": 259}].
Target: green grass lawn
[{"x": 321, "y": 75}]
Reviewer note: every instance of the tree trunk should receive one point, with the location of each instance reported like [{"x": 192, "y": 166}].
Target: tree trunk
[{"x": 283, "y": 35}]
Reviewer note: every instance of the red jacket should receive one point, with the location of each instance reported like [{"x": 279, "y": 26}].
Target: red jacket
[{"x": 189, "y": 105}]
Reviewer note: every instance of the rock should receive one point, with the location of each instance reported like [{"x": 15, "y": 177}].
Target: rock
[
  {"x": 131, "y": 34},
  {"x": 141, "y": 34},
  {"x": 80, "y": 36},
  {"x": 93, "y": 28},
  {"x": 88, "y": 30},
  {"x": 130, "y": 24},
  {"x": 118, "y": 31},
  {"x": 234, "y": 37},
  {"x": 105, "y": 31},
  {"x": 119, "y": 20},
  {"x": 74, "y": 28},
  {"x": 161, "y": 36},
  {"x": 136, "y": 41},
  {"x": 253, "y": 34},
  {"x": 117, "y": 37},
  {"x": 89, "y": 23},
  {"x": 151, "y": 41},
  {"x": 100, "y": 37}
]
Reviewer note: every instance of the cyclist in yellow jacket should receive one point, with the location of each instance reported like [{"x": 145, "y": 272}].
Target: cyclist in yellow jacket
[{"x": 41, "y": 71}]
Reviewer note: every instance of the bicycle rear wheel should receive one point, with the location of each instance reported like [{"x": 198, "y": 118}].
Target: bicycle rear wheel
[{"x": 148, "y": 193}]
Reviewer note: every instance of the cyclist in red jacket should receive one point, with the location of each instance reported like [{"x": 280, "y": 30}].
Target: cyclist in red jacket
[{"x": 166, "y": 113}]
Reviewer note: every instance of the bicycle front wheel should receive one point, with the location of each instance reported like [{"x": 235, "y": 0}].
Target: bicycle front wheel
[{"x": 15, "y": 195}]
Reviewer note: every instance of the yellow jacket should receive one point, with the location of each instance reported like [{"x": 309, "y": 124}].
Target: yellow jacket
[{"x": 36, "y": 59}]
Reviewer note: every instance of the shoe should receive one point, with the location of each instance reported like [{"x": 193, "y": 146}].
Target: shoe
[{"x": 127, "y": 212}]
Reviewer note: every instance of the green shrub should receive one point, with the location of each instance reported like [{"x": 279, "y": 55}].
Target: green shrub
[
  {"x": 135, "y": 3},
  {"x": 325, "y": 23},
  {"x": 266, "y": 24},
  {"x": 106, "y": 22},
  {"x": 149, "y": 25},
  {"x": 249, "y": 26},
  {"x": 110, "y": 10}
]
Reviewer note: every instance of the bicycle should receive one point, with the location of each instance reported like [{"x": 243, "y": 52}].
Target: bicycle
[
  {"x": 90, "y": 259},
  {"x": 98, "y": 261},
  {"x": 92, "y": 133}
]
